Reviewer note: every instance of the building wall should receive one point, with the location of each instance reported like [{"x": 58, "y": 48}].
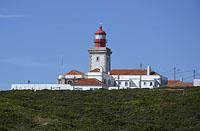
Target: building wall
[
  {"x": 73, "y": 76},
  {"x": 52, "y": 87},
  {"x": 64, "y": 79},
  {"x": 79, "y": 87},
  {"x": 97, "y": 61},
  {"x": 196, "y": 82},
  {"x": 100, "y": 57},
  {"x": 133, "y": 81},
  {"x": 96, "y": 75},
  {"x": 117, "y": 88},
  {"x": 102, "y": 76},
  {"x": 41, "y": 87}
]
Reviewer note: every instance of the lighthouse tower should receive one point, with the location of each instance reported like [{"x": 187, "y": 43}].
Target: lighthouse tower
[{"x": 100, "y": 54}]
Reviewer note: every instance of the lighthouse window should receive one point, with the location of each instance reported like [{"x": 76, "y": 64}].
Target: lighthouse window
[{"x": 97, "y": 59}]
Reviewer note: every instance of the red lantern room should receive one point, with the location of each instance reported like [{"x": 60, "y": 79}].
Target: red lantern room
[{"x": 100, "y": 38}]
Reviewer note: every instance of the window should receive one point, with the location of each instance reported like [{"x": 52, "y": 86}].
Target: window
[
  {"x": 66, "y": 82},
  {"x": 144, "y": 83},
  {"x": 119, "y": 83},
  {"x": 130, "y": 84},
  {"x": 151, "y": 83},
  {"x": 97, "y": 58},
  {"x": 69, "y": 82},
  {"x": 126, "y": 83}
]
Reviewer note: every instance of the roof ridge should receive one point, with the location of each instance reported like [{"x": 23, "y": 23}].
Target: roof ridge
[
  {"x": 88, "y": 81},
  {"x": 95, "y": 70},
  {"x": 74, "y": 72},
  {"x": 131, "y": 72}
]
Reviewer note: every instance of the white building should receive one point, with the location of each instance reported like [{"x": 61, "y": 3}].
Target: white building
[
  {"x": 137, "y": 78},
  {"x": 100, "y": 69},
  {"x": 101, "y": 75},
  {"x": 196, "y": 82}
]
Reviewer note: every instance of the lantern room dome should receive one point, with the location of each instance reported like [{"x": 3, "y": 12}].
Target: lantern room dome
[{"x": 100, "y": 31}]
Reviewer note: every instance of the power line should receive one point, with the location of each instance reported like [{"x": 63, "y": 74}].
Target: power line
[
  {"x": 183, "y": 72},
  {"x": 197, "y": 74},
  {"x": 188, "y": 77},
  {"x": 167, "y": 72}
]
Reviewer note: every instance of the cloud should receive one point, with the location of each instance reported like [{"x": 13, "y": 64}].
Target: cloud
[{"x": 10, "y": 16}]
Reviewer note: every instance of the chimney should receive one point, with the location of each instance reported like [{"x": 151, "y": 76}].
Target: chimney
[
  {"x": 101, "y": 69},
  {"x": 148, "y": 70}
]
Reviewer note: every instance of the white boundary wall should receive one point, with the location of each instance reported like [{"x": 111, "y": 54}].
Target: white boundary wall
[
  {"x": 41, "y": 87},
  {"x": 52, "y": 87},
  {"x": 196, "y": 82},
  {"x": 124, "y": 87}
]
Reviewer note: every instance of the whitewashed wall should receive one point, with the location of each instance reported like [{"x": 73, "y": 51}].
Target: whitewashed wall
[
  {"x": 196, "y": 82},
  {"x": 133, "y": 81},
  {"x": 73, "y": 76},
  {"x": 41, "y": 87},
  {"x": 103, "y": 55},
  {"x": 87, "y": 87},
  {"x": 97, "y": 64},
  {"x": 101, "y": 76},
  {"x": 52, "y": 87},
  {"x": 121, "y": 87},
  {"x": 96, "y": 75}
]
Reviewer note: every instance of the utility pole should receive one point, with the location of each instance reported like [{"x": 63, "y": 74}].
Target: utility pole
[
  {"x": 140, "y": 84},
  {"x": 118, "y": 82},
  {"x": 174, "y": 76},
  {"x": 194, "y": 74},
  {"x": 74, "y": 83}
]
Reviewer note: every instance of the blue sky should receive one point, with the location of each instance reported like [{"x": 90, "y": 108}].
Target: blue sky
[{"x": 35, "y": 34}]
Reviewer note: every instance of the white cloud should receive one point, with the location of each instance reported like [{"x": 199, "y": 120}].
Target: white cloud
[{"x": 10, "y": 16}]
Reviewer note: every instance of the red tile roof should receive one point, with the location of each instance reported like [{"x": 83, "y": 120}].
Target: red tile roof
[
  {"x": 95, "y": 70},
  {"x": 131, "y": 72},
  {"x": 88, "y": 81},
  {"x": 74, "y": 72},
  {"x": 178, "y": 83}
]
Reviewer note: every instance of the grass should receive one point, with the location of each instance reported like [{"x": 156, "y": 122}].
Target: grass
[{"x": 136, "y": 109}]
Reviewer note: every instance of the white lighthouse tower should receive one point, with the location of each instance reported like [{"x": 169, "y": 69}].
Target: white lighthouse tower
[{"x": 100, "y": 54}]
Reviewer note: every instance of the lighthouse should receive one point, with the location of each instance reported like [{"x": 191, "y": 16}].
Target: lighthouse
[
  {"x": 100, "y": 38},
  {"x": 99, "y": 55}
]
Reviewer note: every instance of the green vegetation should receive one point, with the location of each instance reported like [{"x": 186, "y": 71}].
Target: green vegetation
[{"x": 136, "y": 109}]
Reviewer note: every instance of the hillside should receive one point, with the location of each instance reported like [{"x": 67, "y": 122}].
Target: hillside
[{"x": 135, "y": 109}]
